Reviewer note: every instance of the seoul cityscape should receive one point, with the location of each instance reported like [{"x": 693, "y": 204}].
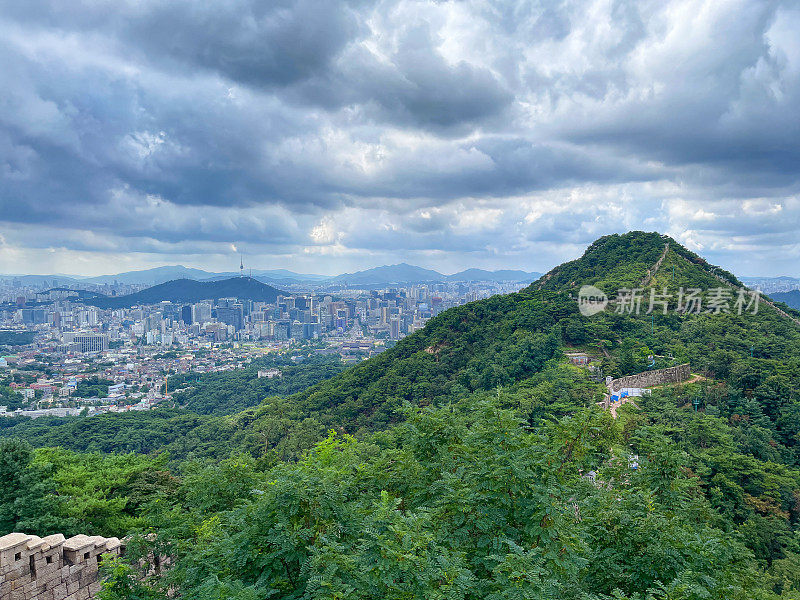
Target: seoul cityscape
[{"x": 132, "y": 350}]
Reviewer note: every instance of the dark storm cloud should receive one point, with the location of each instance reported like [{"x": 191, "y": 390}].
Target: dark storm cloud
[
  {"x": 415, "y": 86},
  {"x": 162, "y": 127},
  {"x": 267, "y": 44}
]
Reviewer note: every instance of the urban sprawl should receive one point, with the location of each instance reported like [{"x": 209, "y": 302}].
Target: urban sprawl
[{"x": 56, "y": 352}]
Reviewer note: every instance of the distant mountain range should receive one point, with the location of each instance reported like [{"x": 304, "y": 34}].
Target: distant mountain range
[
  {"x": 189, "y": 290},
  {"x": 402, "y": 273},
  {"x": 171, "y": 273},
  {"x": 791, "y": 298},
  {"x": 153, "y": 276},
  {"x": 405, "y": 273}
]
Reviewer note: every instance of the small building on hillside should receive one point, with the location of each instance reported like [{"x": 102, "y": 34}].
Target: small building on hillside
[
  {"x": 580, "y": 359},
  {"x": 270, "y": 373}
]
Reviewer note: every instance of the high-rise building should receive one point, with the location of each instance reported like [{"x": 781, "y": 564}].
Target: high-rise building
[
  {"x": 201, "y": 312},
  {"x": 341, "y": 319},
  {"x": 296, "y": 330},
  {"x": 91, "y": 342},
  {"x": 281, "y": 330},
  {"x": 231, "y": 315},
  {"x": 310, "y": 331},
  {"x": 394, "y": 328},
  {"x": 33, "y": 316}
]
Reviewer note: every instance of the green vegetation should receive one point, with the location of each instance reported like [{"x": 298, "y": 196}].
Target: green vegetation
[
  {"x": 229, "y": 392},
  {"x": 10, "y": 398},
  {"x": 181, "y": 434},
  {"x": 15, "y": 338},
  {"x": 93, "y": 386},
  {"x": 53, "y": 490},
  {"x": 463, "y": 501},
  {"x": 454, "y": 465}
]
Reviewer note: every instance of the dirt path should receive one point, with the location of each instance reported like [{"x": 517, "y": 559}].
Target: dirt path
[
  {"x": 654, "y": 269},
  {"x": 613, "y": 408}
]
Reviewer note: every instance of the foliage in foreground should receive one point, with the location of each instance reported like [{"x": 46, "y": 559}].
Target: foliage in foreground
[
  {"x": 52, "y": 490},
  {"x": 461, "y": 501}
]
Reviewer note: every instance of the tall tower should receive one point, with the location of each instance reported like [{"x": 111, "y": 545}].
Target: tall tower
[{"x": 241, "y": 266}]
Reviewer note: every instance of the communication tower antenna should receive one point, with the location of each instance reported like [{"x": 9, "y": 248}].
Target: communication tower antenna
[{"x": 241, "y": 266}]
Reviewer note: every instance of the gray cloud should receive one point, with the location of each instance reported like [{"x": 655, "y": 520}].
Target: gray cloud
[{"x": 352, "y": 132}]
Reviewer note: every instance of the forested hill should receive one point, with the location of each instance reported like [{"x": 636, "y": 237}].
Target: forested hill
[
  {"x": 189, "y": 290},
  {"x": 507, "y": 339},
  {"x": 619, "y": 261}
]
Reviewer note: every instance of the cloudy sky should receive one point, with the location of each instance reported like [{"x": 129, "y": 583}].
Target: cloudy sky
[{"x": 331, "y": 136}]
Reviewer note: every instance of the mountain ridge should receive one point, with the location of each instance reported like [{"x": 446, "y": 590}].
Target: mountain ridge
[
  {"x": 384, "y": 274},
  {"x": 189, "y": 290}
]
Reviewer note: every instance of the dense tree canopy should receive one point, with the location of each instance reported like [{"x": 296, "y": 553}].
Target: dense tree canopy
[{"x": 229, "y": 392}]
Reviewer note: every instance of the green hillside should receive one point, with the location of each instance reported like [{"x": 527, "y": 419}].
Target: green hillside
[
  {"x": 228, "y": 392},
  {"x": 506, "y": 340},
  {"x": 466, "y": 475},
  {"x": 189, "y": 290}
]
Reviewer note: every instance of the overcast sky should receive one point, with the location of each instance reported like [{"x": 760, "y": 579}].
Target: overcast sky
[{"x": 332, "y": 136}]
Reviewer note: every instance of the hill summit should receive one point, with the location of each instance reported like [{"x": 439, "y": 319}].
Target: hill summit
[
  {"x": 630, "y": 261},
  {"x": 189, "y": 290}
]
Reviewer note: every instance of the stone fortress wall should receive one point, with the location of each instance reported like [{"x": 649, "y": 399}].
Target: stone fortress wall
[
  {"x": 52, "y": 568},
  {"x": 649, "y": 379}
]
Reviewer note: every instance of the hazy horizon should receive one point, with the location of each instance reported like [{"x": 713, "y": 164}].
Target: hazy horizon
[
  {"x": 246, "y": 271},
  {"x": 333, "y": 274}
]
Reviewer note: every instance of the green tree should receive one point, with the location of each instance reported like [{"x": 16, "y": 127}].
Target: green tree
[{"x": 26, "y": 500}]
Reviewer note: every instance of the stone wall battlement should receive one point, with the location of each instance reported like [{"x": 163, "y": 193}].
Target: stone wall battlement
[
  {"x": 648, "y": 379},
  {"x": 52, "y": 568}
]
